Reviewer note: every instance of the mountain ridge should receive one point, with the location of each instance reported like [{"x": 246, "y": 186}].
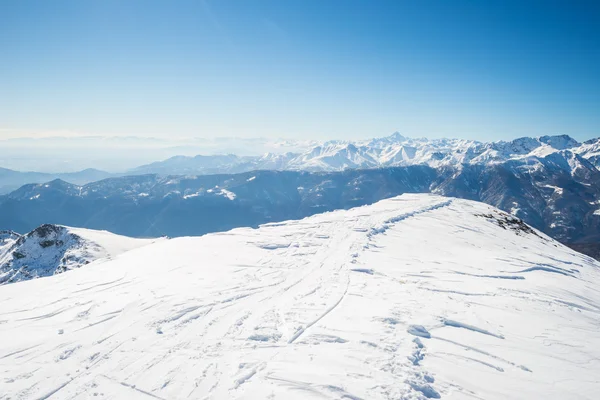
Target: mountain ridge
[
  {"x": 414, "y": 297},
  {"x": 558, "y": 193},
  {"x": 551, "y": 182},
  {"x": 53, "y": 249},
  {"x": 394, "y": 150},
  {"x": 11, "y": 180}
]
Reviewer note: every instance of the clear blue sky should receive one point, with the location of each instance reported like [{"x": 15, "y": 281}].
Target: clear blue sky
[{"x": 478, "y": 69}]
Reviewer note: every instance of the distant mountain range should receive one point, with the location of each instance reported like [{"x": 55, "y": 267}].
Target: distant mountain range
[
  {"x": 119, "y": 154},
  {"x": 11, "y": 180},
  {"x": 391, "y": 151},
  {"x": 558, "y": 193},
  {"x": 551, "y": 182}
]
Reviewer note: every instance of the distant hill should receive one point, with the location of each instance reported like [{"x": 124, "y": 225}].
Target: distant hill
[{"x": 11, "y": 180}]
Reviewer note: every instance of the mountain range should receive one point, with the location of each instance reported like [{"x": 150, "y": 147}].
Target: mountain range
[
  {"x": 11, "y": 180},
  {"x": 394, "y": 150},
  {"x": 550, "y": 182},
  {"x": 559, "y": 194},
  {"x": 335, "y": 155}
]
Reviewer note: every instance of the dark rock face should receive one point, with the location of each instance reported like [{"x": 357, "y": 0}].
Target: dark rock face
[
  {"x": 506, "y": 221},
  {"x": 45, "y": 230}
]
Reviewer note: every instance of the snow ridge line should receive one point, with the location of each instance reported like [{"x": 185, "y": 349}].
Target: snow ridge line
[{"x": 387, "y": 224}]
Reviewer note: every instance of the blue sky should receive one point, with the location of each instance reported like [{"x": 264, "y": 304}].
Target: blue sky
[{"x": 484, "y": 70}]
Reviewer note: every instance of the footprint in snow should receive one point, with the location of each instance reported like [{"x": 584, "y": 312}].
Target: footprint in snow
[{"x": 419, "y": 330}]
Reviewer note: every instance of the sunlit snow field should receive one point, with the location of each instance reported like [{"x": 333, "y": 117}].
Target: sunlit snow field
[{"x": 413, "y": 297}]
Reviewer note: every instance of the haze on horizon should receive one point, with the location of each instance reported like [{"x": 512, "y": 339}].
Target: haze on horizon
[{"x": 300, "y": 69}]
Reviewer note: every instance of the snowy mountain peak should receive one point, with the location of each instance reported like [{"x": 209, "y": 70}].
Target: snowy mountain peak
[
  {"x": 394, "y": 138},
  {"x": 52, "y": 249},
  {"x": 397, "y": 137},
  {"x": 560, "y": 142},
  {"x": 415, "y": 297},
  {"x": 393, "y": 150},
  {"x": 593, "y": 141}
]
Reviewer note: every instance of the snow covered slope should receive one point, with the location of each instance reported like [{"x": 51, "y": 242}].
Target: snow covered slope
[
  {"x": 53, "y": 249},
  {"x": 413, "y": 297}
]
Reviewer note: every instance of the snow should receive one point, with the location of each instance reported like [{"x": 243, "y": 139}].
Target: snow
[
  {"x": 556, "y": 189},
  {"x": 515, "y": 210},
  {"x": 172, "y": 193},
  {"x": 542, "y": 151},
  {"x": 53, "y": 249},
  {"x": 226, "y": 193},
  {"x": 112, "y": 244},
  {"x": 189, "y": 196},
  {"x": 394, "y": 150},
  {"x": 222, "y": 192},
  {"x": 413, "y": 297}
]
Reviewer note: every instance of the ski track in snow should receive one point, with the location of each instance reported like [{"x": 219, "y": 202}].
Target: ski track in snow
[{"x": 386, "y": 301}]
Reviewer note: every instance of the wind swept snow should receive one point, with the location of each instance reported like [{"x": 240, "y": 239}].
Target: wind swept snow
[{"x": 397, "y": 300}]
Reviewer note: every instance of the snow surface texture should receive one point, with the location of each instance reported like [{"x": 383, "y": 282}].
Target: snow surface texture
[
  {"x": 413, "y": 297},
  {"x": 53, "y": 249}
]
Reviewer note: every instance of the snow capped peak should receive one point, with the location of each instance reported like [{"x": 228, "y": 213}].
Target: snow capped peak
[
  {"x": 522, "y": 145},
  {"x": 52, "y": 249},
  {"x": 560, "y": 142},
  {"x": 393, "y": 150},
  {"x": 590, "y": 150},
  {"x": 593, "y": 141},
  {"x": 414, "y": 297},
  {"x": 395, "y": 137}
]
